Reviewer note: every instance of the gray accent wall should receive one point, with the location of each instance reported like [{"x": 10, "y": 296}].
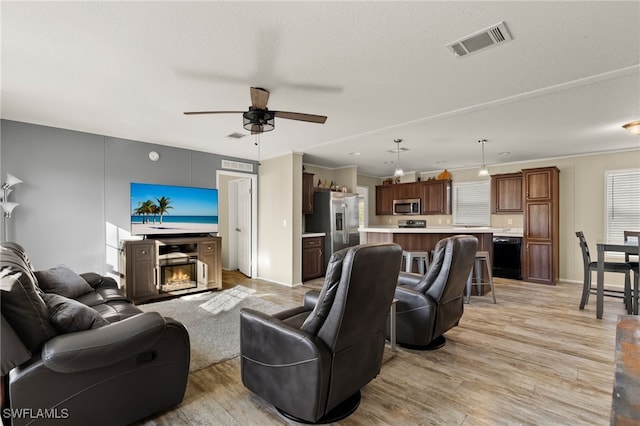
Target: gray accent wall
[{"x": 74, "y": 202}]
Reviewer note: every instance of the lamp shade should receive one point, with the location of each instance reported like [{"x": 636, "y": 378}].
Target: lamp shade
[
  {"x": 483, "y": 171},
  {"x": 11, "y": 180},
  {"x": 8, "y": 207}
]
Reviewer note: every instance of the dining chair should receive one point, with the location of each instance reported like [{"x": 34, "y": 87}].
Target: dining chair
[
  {"x": 635, "y": 267},
  {"x": 591, "y": 266},
  {"x": 628, "y": 235}
]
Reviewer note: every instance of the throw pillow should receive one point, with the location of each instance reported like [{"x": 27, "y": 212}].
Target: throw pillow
[
  {"x": 22, "y": 306},
  {"x": 63, "y": 281},
  {"x": 68, "y": 315}
]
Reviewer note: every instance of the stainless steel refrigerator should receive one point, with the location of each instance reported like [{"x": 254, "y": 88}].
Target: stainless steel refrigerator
[{"x": 335, "y": 214}]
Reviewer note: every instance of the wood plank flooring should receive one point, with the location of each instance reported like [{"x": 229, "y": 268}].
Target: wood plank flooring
[{"x": 532, "y": 359}]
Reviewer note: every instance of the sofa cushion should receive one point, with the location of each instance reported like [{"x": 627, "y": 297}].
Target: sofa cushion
[
  {"x": 63, "y": 281},
  {"x": 22, "y": 306},
  {"x": 68, "y": 315}
]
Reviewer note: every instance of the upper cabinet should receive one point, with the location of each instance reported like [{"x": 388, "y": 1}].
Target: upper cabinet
[
  {"x": 307, "y": 193},
  {"x": 506, "y": 193},
  {"x": 384, "y": 199},
  {"x": 435, "y": 196}
]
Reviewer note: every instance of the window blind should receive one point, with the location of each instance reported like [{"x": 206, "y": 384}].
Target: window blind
[
  {"x": 622, "y": 202},
  {"x": 471, "y": 203}
]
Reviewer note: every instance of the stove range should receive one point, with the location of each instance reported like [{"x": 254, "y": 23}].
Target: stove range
[{"x": 412, "y": 223}]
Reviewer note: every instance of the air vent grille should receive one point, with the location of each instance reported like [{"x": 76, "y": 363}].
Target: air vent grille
[
  {"x": 481, "y": 40},
  {"x": 237, "y": 165}
]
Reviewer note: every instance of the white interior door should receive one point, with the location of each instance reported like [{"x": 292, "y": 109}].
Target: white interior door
[{"x": 244, "y": 228}]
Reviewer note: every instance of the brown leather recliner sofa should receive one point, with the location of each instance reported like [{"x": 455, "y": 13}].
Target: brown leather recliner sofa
[{"x": 76, "y": 351}]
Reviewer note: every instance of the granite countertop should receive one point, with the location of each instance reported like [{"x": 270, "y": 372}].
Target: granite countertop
[
  {"x": 313, "y": 234},
  {"x": 500, "y": 232}
]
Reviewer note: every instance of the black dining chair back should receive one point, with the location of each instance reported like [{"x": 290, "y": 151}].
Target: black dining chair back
[{"x": 590, "y": 266}]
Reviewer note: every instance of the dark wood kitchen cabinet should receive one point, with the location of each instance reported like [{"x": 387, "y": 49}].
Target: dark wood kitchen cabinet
[
  {"x": 384, "y": 199},
  {"x": 541, "y": 225},
  {"x": 506, "y": 193},
  {"x": 406, "y": 191},
  {"x": 436, "y": 197},
  {"x": 312, "y": 258},
  {"x": 307, "y": 193}
]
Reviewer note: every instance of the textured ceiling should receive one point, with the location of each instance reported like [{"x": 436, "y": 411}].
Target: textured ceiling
[{"x": 379, "y": 70}]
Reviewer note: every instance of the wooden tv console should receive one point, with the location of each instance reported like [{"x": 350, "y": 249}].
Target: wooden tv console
[{"x": 146, "y": 262}]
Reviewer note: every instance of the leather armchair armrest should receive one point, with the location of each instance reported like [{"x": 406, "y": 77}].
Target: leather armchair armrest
[
  {"x": 311, "y": 299},
  {"x": 409, "y": 279},
  {"x": 409, "y": 299},
  {"x": 100, "y": 347}
]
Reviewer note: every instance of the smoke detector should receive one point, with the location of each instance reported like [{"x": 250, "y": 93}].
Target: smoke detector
[{"x": 489, "y": 37}]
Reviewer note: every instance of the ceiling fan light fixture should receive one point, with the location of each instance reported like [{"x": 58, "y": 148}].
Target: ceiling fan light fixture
[
  {"x": 257, "y": 121},
  {"x": 633, "y": 127}
]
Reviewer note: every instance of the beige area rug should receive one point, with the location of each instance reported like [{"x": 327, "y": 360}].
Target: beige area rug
[{"x": 213, "y": 321}]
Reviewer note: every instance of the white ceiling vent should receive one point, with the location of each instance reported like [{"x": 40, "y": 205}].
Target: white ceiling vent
[
  {"x": 489, "y": 37},
  {"x": 237, "y": 165},
  {"x": 236, "y": 135}
]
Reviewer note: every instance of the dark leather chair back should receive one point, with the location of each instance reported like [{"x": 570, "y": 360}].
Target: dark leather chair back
[{"x": 430, "y": 305}]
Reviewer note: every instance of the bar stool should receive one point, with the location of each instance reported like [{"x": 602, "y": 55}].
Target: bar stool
[
  {"x": 421, "y": 256},
  {"x": 481, "y": 256}
]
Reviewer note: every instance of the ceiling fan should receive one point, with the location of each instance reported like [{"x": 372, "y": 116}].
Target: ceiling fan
[{"x": 259, "y": 118}]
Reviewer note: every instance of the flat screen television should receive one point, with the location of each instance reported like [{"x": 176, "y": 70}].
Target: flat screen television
[{"x": 173, "y": 210}]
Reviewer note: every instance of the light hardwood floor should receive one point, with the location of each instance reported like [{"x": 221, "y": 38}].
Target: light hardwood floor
[{"x": 532, "y": 359}]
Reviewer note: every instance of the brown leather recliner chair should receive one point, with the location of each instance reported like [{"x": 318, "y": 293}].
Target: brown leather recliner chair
[
  {"x": 119, "y": 366},
  {"x": 310, "y": 362},
  {"x": 429, "y": 305}
]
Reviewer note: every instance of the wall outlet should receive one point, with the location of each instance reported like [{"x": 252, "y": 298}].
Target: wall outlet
[
  {"x": 390, "y": 221},
  {"x": 448, "y": 221},
  {"x": 440, "y": 221},
  {"x": 284, "y": 223},
  {"x": 509, "y": 221}
]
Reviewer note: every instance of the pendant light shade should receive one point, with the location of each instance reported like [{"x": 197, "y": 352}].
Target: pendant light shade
[
  {"x": 399, "y": 172},
  {"x": 484, "y": 172},
  {"x": 633, "y": 127}
]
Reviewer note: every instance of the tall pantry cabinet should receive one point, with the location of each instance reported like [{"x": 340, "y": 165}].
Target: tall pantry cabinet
[{"x": 541, "y": 225}]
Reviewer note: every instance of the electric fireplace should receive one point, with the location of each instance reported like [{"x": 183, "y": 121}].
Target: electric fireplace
[{"x": 177, "y": 272}]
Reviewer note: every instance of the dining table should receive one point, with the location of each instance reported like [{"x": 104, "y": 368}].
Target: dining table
[{"x": 604, "y": 246}]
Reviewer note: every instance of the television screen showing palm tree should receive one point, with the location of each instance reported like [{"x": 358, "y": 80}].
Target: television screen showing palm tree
[{"x": 167, "y": 209}]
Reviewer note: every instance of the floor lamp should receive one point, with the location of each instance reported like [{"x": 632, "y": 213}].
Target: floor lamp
[{"x": 5, "y": 204}]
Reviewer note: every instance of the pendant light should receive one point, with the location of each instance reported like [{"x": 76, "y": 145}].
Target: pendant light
[
  {"x": 399, "y": 172},
  {"x": 633, "y": 127},
  {"x": 483, "y": 170}
]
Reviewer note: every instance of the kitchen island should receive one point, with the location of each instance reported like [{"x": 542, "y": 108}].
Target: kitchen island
[{"x": 425, "y": 239}]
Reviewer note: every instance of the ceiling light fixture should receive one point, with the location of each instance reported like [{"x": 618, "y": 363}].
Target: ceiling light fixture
[
  {"x": 633, "y": 127},
  {"x": 399, "y": 172},
  {"x": 483, "y": 170}
]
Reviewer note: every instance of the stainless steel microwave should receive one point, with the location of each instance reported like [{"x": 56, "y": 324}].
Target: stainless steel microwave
[{"x": 404, "y": 207}]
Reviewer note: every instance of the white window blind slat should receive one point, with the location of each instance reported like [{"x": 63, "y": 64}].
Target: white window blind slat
[
  {"x": 471, "y": 203},
  {"x": 622, "y": 202}
]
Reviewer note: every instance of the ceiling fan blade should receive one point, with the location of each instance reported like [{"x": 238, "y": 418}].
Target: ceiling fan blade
[
  {"x": 312, "y": 118},
  {"x": 259, "y": 97},
  {"x": 213, "y": 112}
]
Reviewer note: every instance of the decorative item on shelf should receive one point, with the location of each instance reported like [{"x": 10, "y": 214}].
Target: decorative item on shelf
[
  {"x": 633, "y": 127},
  {"x": 419, "y": 179},
  {"x": 344, "y": 189},
  {"x": 319, "y": 183},
  {"x": 387, "y": 181},
  {"x": 483, "y": 170},
  {"x": 326, "y": 183},
  {"x": 5, "y": 204},
  {"x": 398, "y": 172},
  {"x": 445, "y": 175},
  {"x": 397, "y": 179}
]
